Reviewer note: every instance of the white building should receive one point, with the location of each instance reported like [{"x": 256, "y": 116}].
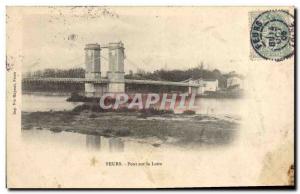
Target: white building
[
  {"x": 210, "y": 85},
  {"x": 206, "y": 85},
  {"x": 235, "y": 81}
]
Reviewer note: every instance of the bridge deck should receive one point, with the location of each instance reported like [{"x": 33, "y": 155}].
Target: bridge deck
[{"x": 106, "y": 81}]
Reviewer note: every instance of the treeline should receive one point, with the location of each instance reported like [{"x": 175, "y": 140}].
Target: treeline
[
  {"x": 52, "y": 87},
  {"x": 181, "y": 75},
  {"x": 159, "y": 75},
  {"x": 58, "y": 73},
  {"x": 55, "y": 87}
]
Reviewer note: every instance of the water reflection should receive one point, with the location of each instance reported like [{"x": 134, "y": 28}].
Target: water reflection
[
  {"x": 116, "y": 145},
  {"x": 46, "y": 139},
  {"x": 94, "y": 142}
]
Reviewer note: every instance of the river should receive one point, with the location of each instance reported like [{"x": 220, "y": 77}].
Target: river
[{"x": 32, "y": 102}]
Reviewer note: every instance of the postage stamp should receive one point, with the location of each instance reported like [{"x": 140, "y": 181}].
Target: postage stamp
[{"x": 272, "y": 35}]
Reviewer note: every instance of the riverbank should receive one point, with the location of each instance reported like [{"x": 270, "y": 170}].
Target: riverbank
[{"x": 183, "y": 129}]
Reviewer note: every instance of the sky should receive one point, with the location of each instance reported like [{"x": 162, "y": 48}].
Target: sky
[{"x": 154, "y": 37}]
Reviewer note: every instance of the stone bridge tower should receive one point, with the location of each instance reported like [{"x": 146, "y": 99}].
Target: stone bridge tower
[
  {"x": 93, "y": 70},
  {"x": 116, "y": 72}
]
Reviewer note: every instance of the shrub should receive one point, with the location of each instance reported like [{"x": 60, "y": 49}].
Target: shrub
[
  {"x": 93, "y": 116},
  {"x": 55, "y": 129},
  {"x": 189, "y": 112},
  {"x": 154, "y": 111},
  {"x": 81, "y": 108},
  {"x": 96, "y": 108},
  {"x": 75, "y": 97},
  {"x": 123, "y": 132}
]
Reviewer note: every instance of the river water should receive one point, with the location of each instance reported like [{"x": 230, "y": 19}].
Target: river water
[
  {"x": 76, "y": 140},
  {"x": 32, "y": 102},
  {"x": 57, "y": 102}
]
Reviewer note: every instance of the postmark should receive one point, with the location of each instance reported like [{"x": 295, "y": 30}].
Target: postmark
[{"x": 272, "y": 35}]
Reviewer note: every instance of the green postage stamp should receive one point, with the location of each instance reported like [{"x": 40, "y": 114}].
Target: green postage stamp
[{"x": 272, "y": 35}]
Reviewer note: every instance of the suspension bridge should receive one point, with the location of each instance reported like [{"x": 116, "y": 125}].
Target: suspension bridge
[{"x": 114, "y": 82}]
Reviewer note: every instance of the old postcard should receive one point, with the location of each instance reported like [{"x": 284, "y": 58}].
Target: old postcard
[{"x": 150, "y": 97}]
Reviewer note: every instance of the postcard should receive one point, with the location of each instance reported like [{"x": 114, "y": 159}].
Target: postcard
[{"x": 149, "y": 97}]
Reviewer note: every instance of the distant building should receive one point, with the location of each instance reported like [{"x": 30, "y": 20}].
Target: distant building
[
  {"x": 235, "y": 82},
  {"x": 210, "y": 85},
  {"x": 206, "y": 85}
]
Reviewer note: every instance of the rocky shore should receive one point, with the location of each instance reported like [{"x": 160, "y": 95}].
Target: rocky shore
[{"x": 182, "y": 128}]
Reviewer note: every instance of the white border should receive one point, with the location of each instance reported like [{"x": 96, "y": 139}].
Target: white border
[
  {"x": 155, "y": 2},
  {"x": 4, "y": 3}
]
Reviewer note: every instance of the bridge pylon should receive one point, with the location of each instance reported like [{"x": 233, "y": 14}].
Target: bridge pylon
[
  {"x": 93, "y": 70},
  {"x": 116, "y": 72}
]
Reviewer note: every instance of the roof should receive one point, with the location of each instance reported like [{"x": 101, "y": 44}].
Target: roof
[{"x": 237, "y": 76}]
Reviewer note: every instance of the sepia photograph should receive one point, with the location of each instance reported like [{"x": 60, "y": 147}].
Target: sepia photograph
[{"x": 149, "y": 97}]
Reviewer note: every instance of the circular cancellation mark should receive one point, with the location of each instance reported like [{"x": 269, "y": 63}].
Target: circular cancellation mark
[{"x": 272, "y": 35}]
